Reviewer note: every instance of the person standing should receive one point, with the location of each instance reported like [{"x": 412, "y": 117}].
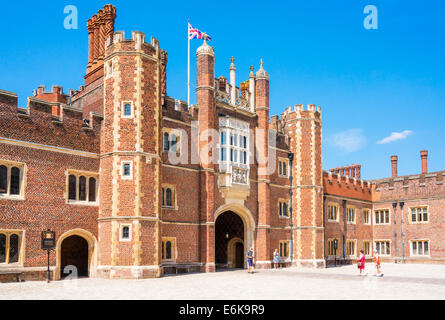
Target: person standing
[
  {"x": 361, "y": 262},
  {"x": 276, "y": 258},
  {"x": 378, "y": 267},
  {"x": 250, "y": 257}
]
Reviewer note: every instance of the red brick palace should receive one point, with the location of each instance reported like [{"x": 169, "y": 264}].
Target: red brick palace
[{"x": 137, "y": 184}]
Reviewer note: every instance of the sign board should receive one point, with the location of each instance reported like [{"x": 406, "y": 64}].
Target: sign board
[{"x": 48, "y": 240}]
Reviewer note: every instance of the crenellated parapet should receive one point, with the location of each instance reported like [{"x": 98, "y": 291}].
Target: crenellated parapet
[
  {"x": 51, "y": 123},
  {"x": 424, "y": 185},
  {"x": 336, "y": 183},
  {"x": 118, "y": 44}
]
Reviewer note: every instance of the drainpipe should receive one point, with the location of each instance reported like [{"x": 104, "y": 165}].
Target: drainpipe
[
  {"x": 324, "y": 232},
  {"x": 401, "y": 231},
  {"x": 291, "y": 225},
  {"x": 344, "y": 231},
  {"x": 394, "y": 205}
]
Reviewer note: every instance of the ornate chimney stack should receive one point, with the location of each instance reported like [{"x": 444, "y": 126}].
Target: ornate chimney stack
[{"x": 100, "y": 27}]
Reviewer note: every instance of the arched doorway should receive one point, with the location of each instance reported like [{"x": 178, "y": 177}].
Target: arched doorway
[
  {"x": 74, "y": 251},
  {"x": 229, "y": 244}
]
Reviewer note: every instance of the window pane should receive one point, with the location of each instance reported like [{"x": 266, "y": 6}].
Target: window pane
[
  {"x": 125, "y": 233},
  {"x": 231, "y": 154},
  {"x": 15, "y": 180},
  {"x": 425, "y": 214},
  {"x": 223, "y": 137},
  {"x": 245, "y": 142},
  {"x": 3, "y": 179},
  {"x": 126, "y": 169},
  {"x": 127, "y": 109},
  {"x": 163, "y": 196},
  {"x": 387, "y": 216},
  {"x": 168, "y": 250},
  {"x": 166, "y": 142},
  {"x": 245, "y": 157},
  {"x": 223, "y": 154},
  {"x": 377, "y": 221},
  {"x": 82, "y": 188},
  {"x": 426, "y": 248},
  {"x": 2, "y": 248},
  {"x": 377, "y": 247},
  {"x": 174, "y": 140},
  {"x": 92, "y": 190},
  {"x": 13, "y": 248},
  {"x": 413, "y": 215},
  {"x": 420, "y": 247},
  {"x": 388, "y": 248},
  {"x": 414, "y": 248},
  {"x": 168, "y": 196},
  {"x": 419, "y": 214},
  {"x": 163, "y": 255},
  {"x": 72, "y": 187}
]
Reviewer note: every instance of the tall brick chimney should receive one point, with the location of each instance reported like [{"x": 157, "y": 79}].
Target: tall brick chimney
[
  {"x": 100, "y": 27},
  {"x": 394, "y": 166},
  {"x": 424, "y": 157}
]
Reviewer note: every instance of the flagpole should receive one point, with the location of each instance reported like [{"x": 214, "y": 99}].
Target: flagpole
[{"x": 188, "y": 65}]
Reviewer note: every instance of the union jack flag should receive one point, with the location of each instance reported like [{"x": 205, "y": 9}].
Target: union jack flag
[{"x": 195, "y": 33}]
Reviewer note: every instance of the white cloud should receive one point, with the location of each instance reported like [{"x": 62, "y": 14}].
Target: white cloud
[
  {"x": 349, "y": 141},
  {"x": 395, "y": 136}
]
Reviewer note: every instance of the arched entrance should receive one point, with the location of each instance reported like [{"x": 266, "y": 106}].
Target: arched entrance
[
  {"x": 229, "y": 243},
  {"x": 74, "y": 251}
]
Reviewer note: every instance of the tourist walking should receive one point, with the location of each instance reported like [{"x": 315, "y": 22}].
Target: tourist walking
[
  {"x": 361, "y": 262},
  {"x": 378, "y": 266},
  {"x": 250, "y": 257},
  {"x": 276, "y": 258}
]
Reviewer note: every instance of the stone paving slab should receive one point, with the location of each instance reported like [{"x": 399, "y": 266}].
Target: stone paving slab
[{"x": 399, "y": 282}]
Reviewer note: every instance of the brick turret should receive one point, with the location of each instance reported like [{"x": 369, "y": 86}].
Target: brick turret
[
  {"x": 304, "y": 128},
  {"x": 262, "y": 145},
  {"x": 130, "y": 166},
  {"x": 207, "y": 152}
]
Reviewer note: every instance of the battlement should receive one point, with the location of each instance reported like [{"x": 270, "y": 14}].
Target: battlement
[
  {"x": 48, "y": 122},
  {"x": 347, "y": 186},
  {"x": 278, "y": 122},
  {"x": 136, "y": 43},
  {"x": 411, "y": 186},
  {"x": 349, "y": 171},
  {"x": 55, "y": 95}
]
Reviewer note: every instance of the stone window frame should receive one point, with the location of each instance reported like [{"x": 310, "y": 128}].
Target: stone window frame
[
  {"x": 123, "y": 163},
  {"x": 369, "y": 211},
  {"x": 130, "y": 232},
  {"x": 174, "y": 205},
  {"x": 347, "y": 248},
  {"x": 174, "y": 251},
  {"x": 87, "y": 175},
  {"x": 22, "y": 179},
  {"x": 347, "y": 214},
  {"x": 123, "y": 116},
  {"x": 178, "y": 135},
  {"x": 420, "y": 255},
  {"x": 381, "y": 241},
  {"x": 369, "y": 254},
  {"x": 21, "y": 234},
  {"x": 286, "y": 201},
  {"x": 333, "y": 204},
  {"x": 410, "y": 219},
  {"x": 329, "y": 245},
  {"x": 282, "y": 160},
  {"x": 284, "y": 244},
  {"x": 380, "y": 210}
]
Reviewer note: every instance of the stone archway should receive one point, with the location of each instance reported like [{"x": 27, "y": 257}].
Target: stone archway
[
  {"x": 237, "y": 238},
  {"x": 76, "y": 247}
]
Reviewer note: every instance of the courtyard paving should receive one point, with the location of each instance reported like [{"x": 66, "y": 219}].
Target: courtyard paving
[{"x": 407, "y": 281}]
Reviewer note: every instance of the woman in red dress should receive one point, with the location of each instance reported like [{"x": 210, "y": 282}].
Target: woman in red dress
[{"x": 361, "y": 262}]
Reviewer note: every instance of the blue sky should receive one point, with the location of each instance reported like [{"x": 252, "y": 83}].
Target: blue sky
[{"x": 369, "y": 83}]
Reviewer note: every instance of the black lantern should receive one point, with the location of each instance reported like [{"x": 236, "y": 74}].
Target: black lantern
[
  {"x": 335, "y": 250},
  {"x": 48, "y": 244}
]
